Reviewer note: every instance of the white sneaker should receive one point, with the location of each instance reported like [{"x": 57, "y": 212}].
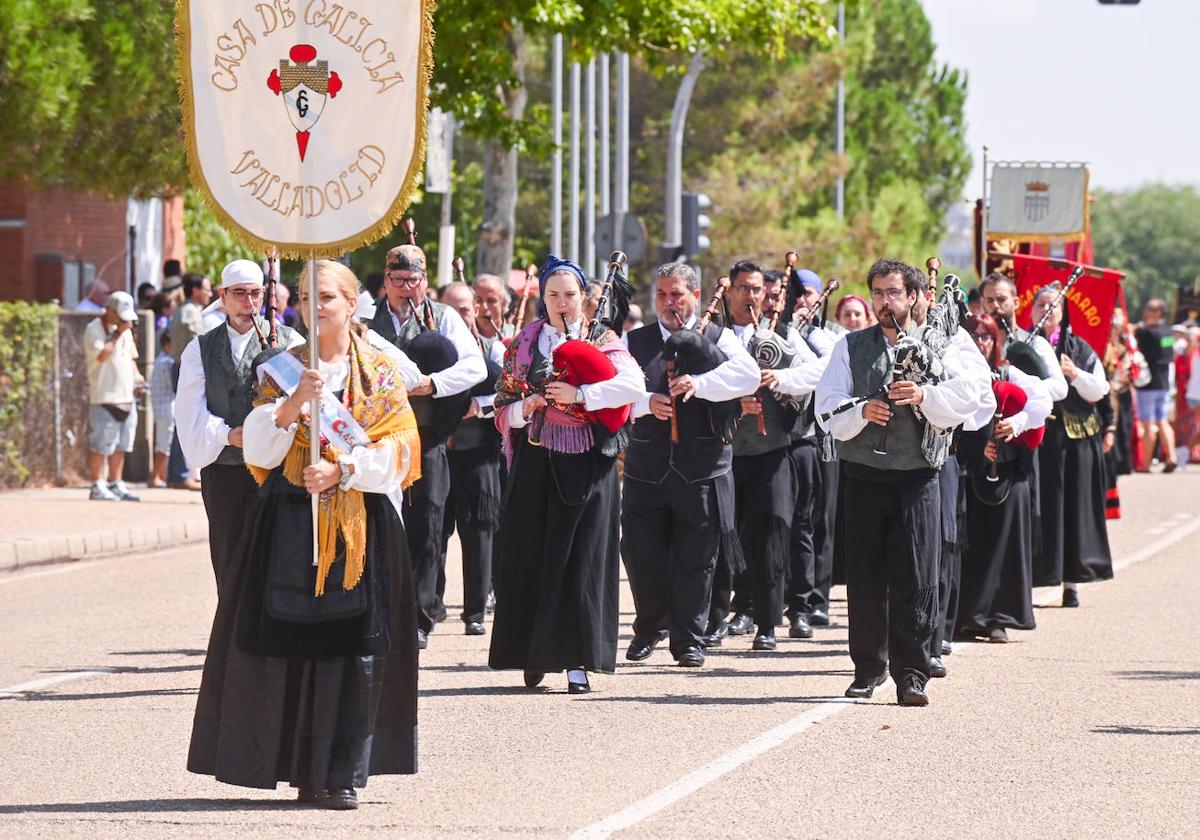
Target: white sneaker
[
  {"x": 101, "y": 493},
  {"x": 118, "y": 489}
]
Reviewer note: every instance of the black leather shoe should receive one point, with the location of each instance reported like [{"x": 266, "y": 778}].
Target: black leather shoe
[
  {"x": 936, "y": 668},
  {"x": 740, "y": 624},
  {"x": 533, "y": 679},
  {"x": 312, "y": 796},
  {"x": 998, "y": 635},
  {"x": 946, "y": 649},
  {"x": 798, "y": 627},
  {"x": 1070, "y": 598},
  {"x": 342, "y": 799},
  {"x": 764, "y": 640},
  {"x": 475, "y": 628},
  {"x": 574, "y": 687},
  {"x": 422, "y": 639},
  {"x": 640, "y": 649},
  {"x": 863, "y": 687},
  {"x": 714, "y": 639},
  {"x": 818, "y": 618},
  {"x": 693, "y": 657},
  {"x": 910, "y": 692}
]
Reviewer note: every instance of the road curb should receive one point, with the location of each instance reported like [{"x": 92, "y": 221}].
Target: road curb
[{"x": 42, "y": 551}]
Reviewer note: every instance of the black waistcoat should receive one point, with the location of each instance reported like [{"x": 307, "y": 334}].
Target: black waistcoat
[{"x": 700, "y": 453}]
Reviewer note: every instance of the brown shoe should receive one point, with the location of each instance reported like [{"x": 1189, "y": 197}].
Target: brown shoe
[{"x": 185, "y": 485}]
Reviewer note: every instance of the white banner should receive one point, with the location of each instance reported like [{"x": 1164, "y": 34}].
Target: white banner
[
  {"x": 305, "y": 119},
  {"x": 1033, "y": 203}
]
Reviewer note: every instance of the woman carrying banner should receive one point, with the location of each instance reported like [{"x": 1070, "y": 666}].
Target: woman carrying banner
[
  {"x": 557, "y": 580},
  {"x": 311, "y": 675},
  {"x": 995, "y": 592}
]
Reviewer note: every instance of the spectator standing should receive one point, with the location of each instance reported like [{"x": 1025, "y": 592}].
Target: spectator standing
[
  {"x": 97, "y": 296},
  {"x": 1155, "y": 341},
  {"x": 162, "y": 401},
  {"x": 113, "y": 376}
]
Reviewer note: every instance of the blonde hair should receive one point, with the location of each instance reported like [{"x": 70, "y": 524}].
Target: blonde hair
[{"x": 347, "y": 285}]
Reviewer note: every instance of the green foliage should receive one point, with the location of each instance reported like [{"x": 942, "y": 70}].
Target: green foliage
[
  {"x": 209, "y": 246},
  {"x": 28, "y": 332},
  {"x": 1149, "y": 233},
  {"x": 87, "y": 89}
]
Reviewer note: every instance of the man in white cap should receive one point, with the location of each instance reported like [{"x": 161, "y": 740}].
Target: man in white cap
[
  {"x": 111, "y": 355},
  {"x": 214, "y": 397}
]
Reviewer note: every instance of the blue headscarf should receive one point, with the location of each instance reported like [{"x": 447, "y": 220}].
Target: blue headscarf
[{"x": 554, "y": 265}]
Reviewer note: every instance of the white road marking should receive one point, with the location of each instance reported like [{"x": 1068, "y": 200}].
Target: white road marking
[
  {"x": 19, "y": 576},
  {"x": 12, "y": 691},
  {"x": 665, "y": 797}
]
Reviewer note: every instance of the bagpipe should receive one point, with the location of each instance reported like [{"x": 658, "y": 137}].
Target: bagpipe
[
  {"x": 1020, "y": 353},
  {"x": 770, "y": 348},
  {"x": 433, "y": 353},
  {"x": 690, "y": 352},
  {"x": 488, "y": 386},
  {"x": 1065, "y": 326},
  {"x": 1010, "y": 399},
  {"x": 580, "y": 361}
]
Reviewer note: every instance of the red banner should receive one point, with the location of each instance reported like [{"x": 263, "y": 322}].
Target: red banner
[{"x": 1092, "y": 299}]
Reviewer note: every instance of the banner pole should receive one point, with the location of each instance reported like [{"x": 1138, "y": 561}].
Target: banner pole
[{"x": 314, "y": 407}]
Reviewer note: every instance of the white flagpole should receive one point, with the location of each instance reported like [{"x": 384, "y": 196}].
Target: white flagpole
[{"x": 314, "y": 407}]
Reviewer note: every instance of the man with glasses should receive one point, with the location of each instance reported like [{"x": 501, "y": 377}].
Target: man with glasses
[
  {"x": 213, "y": 398},
  {"x": 400, "y": 317},
  {"x": 893, "y": 528}
]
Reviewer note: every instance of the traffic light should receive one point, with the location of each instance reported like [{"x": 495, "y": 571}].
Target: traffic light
[{"x": 695, "y": 223}]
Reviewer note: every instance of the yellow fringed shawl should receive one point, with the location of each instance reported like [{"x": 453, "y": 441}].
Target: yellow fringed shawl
[{"x": 376, "y": 396}]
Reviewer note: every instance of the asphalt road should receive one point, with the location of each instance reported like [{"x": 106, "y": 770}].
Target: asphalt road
[{"x": 1087, "y": 727}]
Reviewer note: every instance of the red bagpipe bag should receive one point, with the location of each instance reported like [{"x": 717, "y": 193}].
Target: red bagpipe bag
[
  {"x": 1010, "y": 400},
  {"x": 583, "y": 363}
]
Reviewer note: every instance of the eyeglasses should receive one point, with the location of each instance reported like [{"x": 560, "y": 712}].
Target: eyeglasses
[
  {"x": 980, "y": 338},
  {"x": 890, "y": 294},
  {"x": 241, "y": 295},
  {"x": 396, "y": 280},
  {"x": 749, "y": 290}
]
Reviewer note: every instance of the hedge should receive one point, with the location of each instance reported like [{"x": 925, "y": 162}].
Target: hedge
[{"x": 28, "y": 332}]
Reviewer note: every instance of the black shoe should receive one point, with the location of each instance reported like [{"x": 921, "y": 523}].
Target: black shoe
[
  {"x": 422, "y": 639},
  {"x": 818, "y": 618},
  {"x": 946, "y": 649},
  {"x": 533, "y": 679},
  {"x": 997, "y": 635},
  {"x": 574, "y": 687},
  {"x": 312, "y": 796},
  {"x": 799, "y": 628},
  {"x": 967, "y": 634},
  {"x": 342, "y": 799},
  {"x": 910, "y": 692},
  {"x": 475, "y": 628},
  {"x": 765, "y": 640},
  {"x": 740, "y": 624},
  {"x": 640, "y": 649},
  {"x": 863, "y": 687},
  {"x": 936, "y": 668},
  {"x": 693, "y": 657},
  {"x": 1070, "y": 598},
  {"x": 714, "y": 639}
]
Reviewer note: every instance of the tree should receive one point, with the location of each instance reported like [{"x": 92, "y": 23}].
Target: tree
[{"x": 1149, "y": 233}]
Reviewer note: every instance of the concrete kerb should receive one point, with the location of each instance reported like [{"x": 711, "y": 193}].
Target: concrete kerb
[{"x": 24, "y": 553}]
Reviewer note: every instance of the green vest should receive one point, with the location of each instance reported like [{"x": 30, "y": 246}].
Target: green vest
[
  {"x": 229, "y": 387},
  {"x": 871, "y": 365}
]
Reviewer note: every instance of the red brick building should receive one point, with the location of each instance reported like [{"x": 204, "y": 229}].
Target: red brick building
[{"x": 53, "y": 242}]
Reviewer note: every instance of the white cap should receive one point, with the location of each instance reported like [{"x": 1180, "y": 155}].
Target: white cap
[
  {"x": 241, "y": 273},
  {"x": 122, "y": 303}
]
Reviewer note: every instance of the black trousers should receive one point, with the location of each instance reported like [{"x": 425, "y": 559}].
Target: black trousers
[
  {"x": 424, "y": 510},
  {"x": 670, "y": 533},
  {"x": 473, "y": 509},
  {"x": 893, "y": 541},
  {"x": 827, "y": 533},
  {"x": 229, "y": 492},
  {"x": 765, "y": 492},
  {"x": 951, "y": 486},
  {"x": 808, "y": 583}
]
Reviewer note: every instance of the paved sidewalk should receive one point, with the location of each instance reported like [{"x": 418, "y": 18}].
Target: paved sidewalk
[{"x": 60, "y": 524}]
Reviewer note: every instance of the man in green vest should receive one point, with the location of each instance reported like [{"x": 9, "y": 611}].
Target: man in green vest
[
  {"x": 893, "y": 509},
  {"x": 212, "y": 401}
]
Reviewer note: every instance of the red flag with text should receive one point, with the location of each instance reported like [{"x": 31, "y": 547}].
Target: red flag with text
[{"x": 1092, "y": 300}]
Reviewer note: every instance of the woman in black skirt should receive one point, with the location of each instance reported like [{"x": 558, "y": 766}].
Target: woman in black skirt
[
  {"x": 311, "y": 674},
  {"x": 557, "y": 580}
]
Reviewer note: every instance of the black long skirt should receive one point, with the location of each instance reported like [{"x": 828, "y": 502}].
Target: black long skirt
[
  {"x": 1074, "y": 546},
  {"x": 997, "y": 567},
  {"x": 558, "y": 576},
  {"x": 318, "y": 722}
]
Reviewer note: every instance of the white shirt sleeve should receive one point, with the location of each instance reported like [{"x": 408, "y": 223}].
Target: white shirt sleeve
[
  {"x": 1056, "y": 383},
  {"x": 202, "y": 435},
  {"x": 375, "y": 468},
  {"x": 487, "y": 401},
  {"x": 1092, "y": 384},
  {"x": 968, "y": 353},
  {"x": 264, "y": 444},
  {"x": 835, "y": 388},
  {"x": 469, "y": 370},
  {"x": 626, "y": 388},
  {"x": 736, "y": 377},
  {"x": 1038, "y": 404},
  {"x": 409, "y": 372},
  {"x": 965, "y": 395},
  {"x": 802, "y": 378},
  {"x": 821, "y": 340}
]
